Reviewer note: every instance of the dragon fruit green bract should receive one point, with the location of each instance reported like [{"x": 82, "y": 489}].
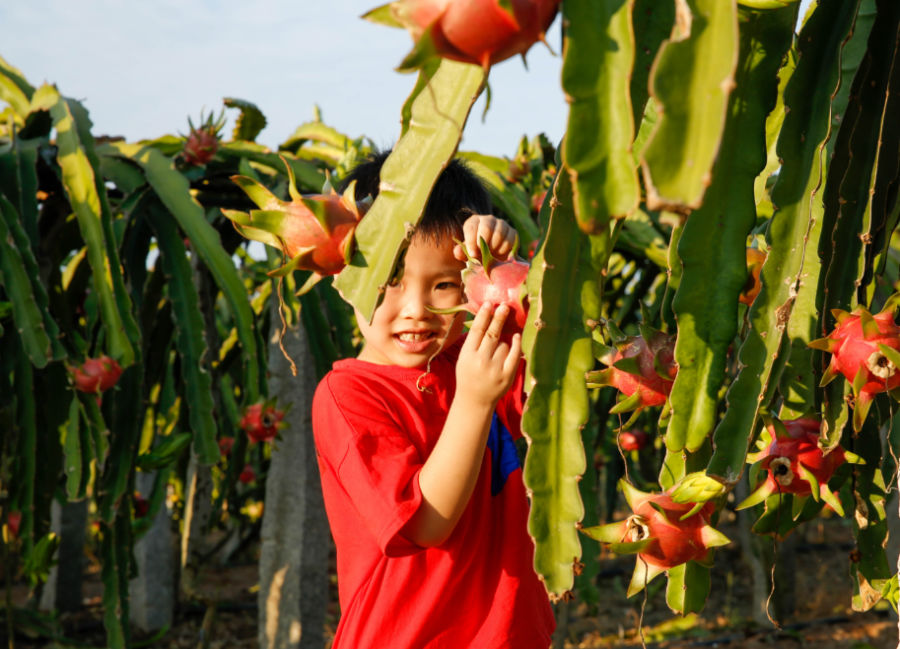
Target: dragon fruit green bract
[
  {"x": 315, "y": 232},
  {"x": 662, "y": 532},
  {"x": 865, "y": 348},
  {"x": 482, "y": 32}
]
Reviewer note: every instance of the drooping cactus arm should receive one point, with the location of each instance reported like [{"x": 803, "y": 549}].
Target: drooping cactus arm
[
  {"x": 598, "y": 57},
  {"x": 564, "y": 297},
  {"x": 807, "y": 127},
  {"x": 713, "y": 241},
  {"x": 691, "y": 79},
  {"x": 439, "y": 114}
]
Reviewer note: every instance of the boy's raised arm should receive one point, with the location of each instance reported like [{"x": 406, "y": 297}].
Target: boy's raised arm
[{"x": 485, "y": 370}]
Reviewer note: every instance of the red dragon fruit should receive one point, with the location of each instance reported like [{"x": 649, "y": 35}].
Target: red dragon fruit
[
  {"x": 496, "y": 282},
  {"x": 633, "y": 440},
  {"x": 795, "y": 464},
  {"x": 865, "y": 348},
  {"x": 226, "y": 443},
  {"x": 261, "y": 422},
  {"x": 247, "y": 474},
  {"x": 315, "y": 232},
  {"x": 662, "y": 532},
  {"x": 13, "y": 522},
  {"x": 96, "y": 375},
  {"x": 641, "y": 367},
  {"x": 202, "y": 142},
  {"x": 141, "y": 505},
  {"x": 483, "y": 32}
]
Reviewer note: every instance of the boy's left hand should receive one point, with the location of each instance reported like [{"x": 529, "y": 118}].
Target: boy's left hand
[{"x": 499, "y": 235}]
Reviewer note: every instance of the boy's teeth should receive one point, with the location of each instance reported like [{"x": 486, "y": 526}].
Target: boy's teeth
[{"x": 413, "y": 337}]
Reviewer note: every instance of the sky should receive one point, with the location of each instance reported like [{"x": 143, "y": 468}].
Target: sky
[{"x": 142, "y": 67}]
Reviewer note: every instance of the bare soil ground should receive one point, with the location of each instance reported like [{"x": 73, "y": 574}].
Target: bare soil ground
[{"x": 822, "y": 615}]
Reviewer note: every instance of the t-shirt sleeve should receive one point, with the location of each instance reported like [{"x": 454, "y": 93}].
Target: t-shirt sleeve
[{"x": 375, "y": 465}]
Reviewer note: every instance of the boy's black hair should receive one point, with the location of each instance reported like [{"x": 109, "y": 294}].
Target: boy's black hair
[{"x": 457, "y": 194}]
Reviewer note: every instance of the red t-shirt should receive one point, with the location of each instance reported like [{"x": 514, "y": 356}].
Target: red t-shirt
[{"x": 374, "y": 429}]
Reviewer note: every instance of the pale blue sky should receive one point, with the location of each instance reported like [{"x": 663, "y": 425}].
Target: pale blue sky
[{"x": 143, "y": 66}]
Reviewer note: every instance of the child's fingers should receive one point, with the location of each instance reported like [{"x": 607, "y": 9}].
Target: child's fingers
[
  {"x": 499, "y": 235},
  {"x": 479, "y": 325},
  {"x": 495, "y": 328},
  {"x": 511, "y": 362}
]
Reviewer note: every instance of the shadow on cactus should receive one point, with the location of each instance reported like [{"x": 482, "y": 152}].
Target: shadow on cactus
[
  {"x": 641, "y": 367},
  {"x": 790, "y": 454},
  {"x": 865, "y": 348},
  {"x": 662, "y": 532},
  {"x": 314, "y": 232}
]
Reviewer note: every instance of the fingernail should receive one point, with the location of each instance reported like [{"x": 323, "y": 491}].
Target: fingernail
[{"x": 503, "y": 308}]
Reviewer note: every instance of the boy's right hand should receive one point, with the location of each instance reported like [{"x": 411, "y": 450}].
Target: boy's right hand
[{"x": 487, "y": 366}]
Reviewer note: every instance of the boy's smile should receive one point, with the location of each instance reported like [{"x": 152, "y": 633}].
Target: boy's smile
[{"x": 404, "y": 332}]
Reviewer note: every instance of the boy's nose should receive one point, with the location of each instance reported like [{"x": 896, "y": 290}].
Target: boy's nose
[{"x": 415, "y": 306}]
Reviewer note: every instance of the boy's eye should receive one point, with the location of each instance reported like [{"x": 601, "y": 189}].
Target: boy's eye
[{"x": 447, "y": 286}]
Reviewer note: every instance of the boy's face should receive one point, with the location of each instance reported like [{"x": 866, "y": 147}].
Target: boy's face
[{"x": 404, "y": 332}]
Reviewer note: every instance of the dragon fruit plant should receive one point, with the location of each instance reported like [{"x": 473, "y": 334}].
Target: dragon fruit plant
[
  {"x": 641, "y": 367},
  {"x": 483, "y": 32},
  {"x": 662, "y": 532},
  {"x": 865, "y": 348},
  {"x": 314, "y": 232},
  {"x": 202, "y": 141},
  {"x": 789, "y": 453}
]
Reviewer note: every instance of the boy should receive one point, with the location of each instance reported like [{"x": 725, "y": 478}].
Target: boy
[{"x": 420, "y": 475}]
